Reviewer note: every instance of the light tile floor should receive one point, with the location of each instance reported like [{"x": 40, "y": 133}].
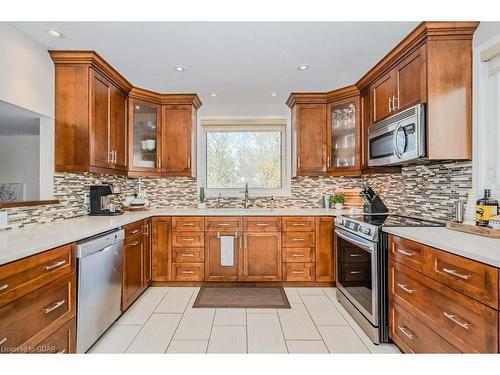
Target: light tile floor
[{"x": 163, "y": 320}]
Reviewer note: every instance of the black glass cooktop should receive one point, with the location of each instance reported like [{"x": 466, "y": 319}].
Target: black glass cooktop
[{"x": 387, "y": 220}]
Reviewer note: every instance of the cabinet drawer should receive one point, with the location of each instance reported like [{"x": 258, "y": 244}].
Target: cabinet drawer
[
  {"x": 24, "y": 276},
  {"x": 298, "y": 239},
  {"x": 472, "y": 278},
  {"x": 262, "y": 224},
  {"x": 465, "y": 323},
  {"x": 188, "y": 223},
  {"x": 188, "y": 239},
  {"x": 62, "y": 341},
  {"x": 188, "y": 255},
  {"x": 355, "y": 255},
  {"x": 298, "y": 271},
  {"x": 409, "y": 253},
  {"x": 298, "y": 255},
  {"x": 30, "y": 318},
  {"x": 298, "y": 224},
  {"x": 188, "y": 271},
  {"x": 413, "y": 336},
  {"x": 134, "y": 230},
  {"x": 215, "y": 224}
]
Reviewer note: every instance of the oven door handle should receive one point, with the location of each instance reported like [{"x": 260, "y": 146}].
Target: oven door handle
[{"x": 356, "y": 242}]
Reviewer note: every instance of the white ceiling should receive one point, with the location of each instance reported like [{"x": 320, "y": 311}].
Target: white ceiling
[
  {"x": 242, "y": 62},
  {"x": 18, "y": 121}
]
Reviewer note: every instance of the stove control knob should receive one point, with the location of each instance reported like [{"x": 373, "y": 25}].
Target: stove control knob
[
  {"x": 364, "y": 230},
  {"x": 339, "y": 221}
]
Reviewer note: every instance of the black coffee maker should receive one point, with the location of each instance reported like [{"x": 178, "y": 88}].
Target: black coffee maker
[{"x": 101, "y": 202}]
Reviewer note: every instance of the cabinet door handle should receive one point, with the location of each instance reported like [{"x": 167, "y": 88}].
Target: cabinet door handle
[
  {"x": 354, "y": 272},
  {"x": 188, "y": 224},
  {"x": 187, "y": 255},
  {"x": 188, "y": 239},
  {"x": 2, "y": 341},
  {"x": 135, "y": 243},
  {"x": 298, "y": 161},
  {"x": 262, "y": 224},
  {"x": 189, "y": 162},
  {"x": 187, "y": 272},
  {"x": 328, "y": 161},
  {"x": 394, "y": 100},
  {"x": 3, "y": 287},
  {"x": 455, "y": 273},
  {"x": 298, "y": 224},
  {"x": 298, "y": 239},
  {"x": 406, "y": 289},
  {"x": 406, "y": 332},
  {"x": 114, "y": 157},
  {"x": 223, "y": 224},
  {"x": 298, "y": 272},
  {"x": 55, "y": 265},
  {"x": 146, "y": 229},
  {"x": 390, "y": 105},
  {"x": 454, "y": 319},
  {"x": 298, "y": 255},
  {"x": 54, "y": 306},
  {"x": 135, "y": 231},
  {"x": 356, "y": 255},
  {"x": 406, "y": 252}
]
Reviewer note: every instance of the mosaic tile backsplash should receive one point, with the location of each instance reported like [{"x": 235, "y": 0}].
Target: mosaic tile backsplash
[{"x": 424, "y": 190}]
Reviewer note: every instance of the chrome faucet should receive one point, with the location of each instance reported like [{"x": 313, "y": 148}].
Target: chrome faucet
[{"x": 245, "y": 203}]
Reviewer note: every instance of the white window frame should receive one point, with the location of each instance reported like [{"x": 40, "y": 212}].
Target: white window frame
[
  {"x": 486, "y": 130},
  {"x": 248, "y": 123}
]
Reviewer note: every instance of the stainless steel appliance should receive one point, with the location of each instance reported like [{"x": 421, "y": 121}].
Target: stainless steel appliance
[
  {"x": 398, "y": 139},
  {"x": 99, "y": 286},
  {"x": 101, "y": 201},
  {"x": 361, "y": 257}
]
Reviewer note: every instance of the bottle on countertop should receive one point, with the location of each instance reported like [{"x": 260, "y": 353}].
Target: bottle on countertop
[{"x": 486, "y": 208}]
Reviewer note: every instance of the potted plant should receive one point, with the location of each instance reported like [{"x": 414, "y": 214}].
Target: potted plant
[
  {"x": 202, "y": 204},
  {"x": 337, "y": 201}
]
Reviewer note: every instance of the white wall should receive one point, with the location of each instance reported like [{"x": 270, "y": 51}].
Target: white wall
[
  {"x": 26, "y": 72},
  {"x": 27, "y": 81},
  {"x": 19, "y": 155}
]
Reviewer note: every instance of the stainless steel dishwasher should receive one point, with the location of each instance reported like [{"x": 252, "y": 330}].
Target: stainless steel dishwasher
[{"x": 99, "y": 286}]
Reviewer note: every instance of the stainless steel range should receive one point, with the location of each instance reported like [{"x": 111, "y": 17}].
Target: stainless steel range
[{"x": 361, "y": 256}]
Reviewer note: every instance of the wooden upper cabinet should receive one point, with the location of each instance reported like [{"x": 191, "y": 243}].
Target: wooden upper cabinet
[
  {"x": 410, "y": 81},
  {"x": 343, "y": 130},
  {"x": 310, "y": 132},
  {"x": 144, "y": 137},
  {"x": 179, "y": 127},
  {"x": 90, "y": 117},
  {"x": 383, "y": 93},
  {"x": 104, "y": 125}
]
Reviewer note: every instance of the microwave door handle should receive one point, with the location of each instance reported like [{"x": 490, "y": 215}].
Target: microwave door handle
[
  {"x": 354, "y": 241},
  {"x": 395, "y": 139}
]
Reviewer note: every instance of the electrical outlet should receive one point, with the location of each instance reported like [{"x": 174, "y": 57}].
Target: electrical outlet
[{"x": 3, "y": 219}]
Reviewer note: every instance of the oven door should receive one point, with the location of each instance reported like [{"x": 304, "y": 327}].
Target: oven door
[{"x": 357, "y": 277}]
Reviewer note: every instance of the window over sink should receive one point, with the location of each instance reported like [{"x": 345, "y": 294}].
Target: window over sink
[{"x": 238, "y": 152}]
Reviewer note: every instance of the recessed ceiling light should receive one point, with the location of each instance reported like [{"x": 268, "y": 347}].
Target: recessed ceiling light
[
  {"x": 303, "y": 67},
  {"x": 213, "y": 94},
  {"x": 55, "y": 34},
  {"x": 179, "y": 68},
  {"x": 274, "y": 94}
]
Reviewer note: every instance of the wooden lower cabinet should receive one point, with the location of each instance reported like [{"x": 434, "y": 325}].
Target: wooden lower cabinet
[
  {"x": 188, "y": 271},
  {"x": 62, "y": 341},
  {"x": 431, "y": 311},
  {"x": 298, "y": 272},
  {"x": 133, "y": 275},
  {"x": 214, "y": 271},
  {"x": 161, "y": 246},
  {"x": 325, "y": 268},
  {"x": 148, "y": 253},
  {"x": 262, "y": 257}
]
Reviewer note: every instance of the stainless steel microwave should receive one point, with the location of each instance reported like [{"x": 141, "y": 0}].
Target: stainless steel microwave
[{"x": 397, "y": 139}]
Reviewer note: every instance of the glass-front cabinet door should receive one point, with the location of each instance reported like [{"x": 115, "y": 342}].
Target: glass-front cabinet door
[
  {"x": 343, "y": 135},
  {"x": 144, "y": 136}
]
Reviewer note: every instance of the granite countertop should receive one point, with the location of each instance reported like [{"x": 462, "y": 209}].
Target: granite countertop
[
  {"x": 481, "y": 249},
  {"x": 20, "y": 243}
]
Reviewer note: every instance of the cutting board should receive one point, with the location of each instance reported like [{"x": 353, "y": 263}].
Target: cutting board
[
  {"x": 473, "y": 229},
  {"x": 352, "y": 198}
]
